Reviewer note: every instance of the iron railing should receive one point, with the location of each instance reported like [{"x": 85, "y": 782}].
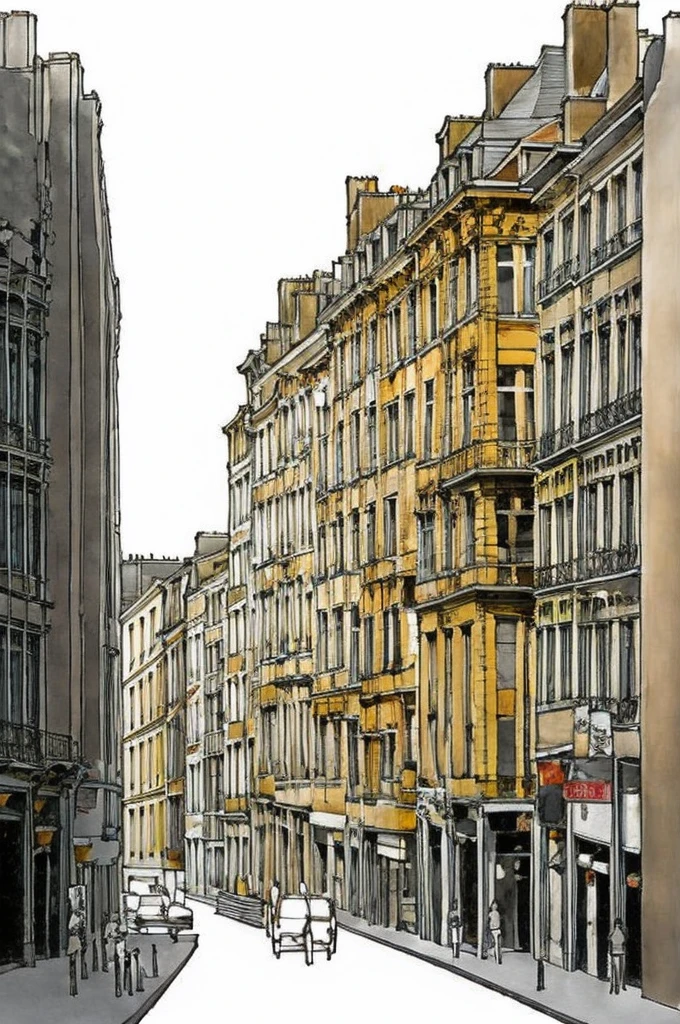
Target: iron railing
[
  {"x": 493, "y": 454},
  {"x": 565, "y": 273},
  {"x": 608, "y": 563},
  {"x": 34, "y": 746},
  {"x": 556, "y": 440},
  {"x": 623, "y": 408},
  {"x": 554, "y": 575},
  {"x": 618, "y": 242},
  {"x": 624, "y": 711}
]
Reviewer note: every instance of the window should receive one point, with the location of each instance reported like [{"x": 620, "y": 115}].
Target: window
[
  {"x": 339, "y": 453},
  {"x": 426, "y": 565},
  {"x": 390, "y": 526},
  {"x": 548, "y": 393},
  {"x": 507, "y": 756},
  {"x": 354, "y": 644},
  {"x": 370, "y": 532},
  {"x": 353, "y": 754},
  {"x": 602, "y": 217},
  {"x": 607, "y": 513},
  {"x": 550, "y": 664},
  {"x": 369, "y": 645},
  {"x": 356, "y": 356},
  {"x": 392, "y": 424},
  {"x": 322, "y": 640},
  {"x": 340, "y": 543},
  {"x": 567, "y": 226},
  {"x": 637, "y": 191},
  {"x": 355, "y": 555},
  {"x": 466, "y": 635},
  {"x": 515, "y": 527},
  {"x": 411, "y": 321},
  {"x": 622, "y": 357},
  {"x": 428, "y": 421},
  {"x": 627, "y": 506},
  {"x": 603, "y": 341},
  {"x": 627, "y": 674},
  {"x": 449, "y": 545},
  {"x": 507, "y": 411},
  {"x": 355, "y": 444},
  {"x": 585, "y": 636},
  {"x": 545, "y": 536},
  {"x": 586, "y": 372},
  {"x": 471, "y": 279},
  {"x": 565, "y": 631},
  {"x": 452, "y": 308},
  {"x": 391, "y": 639},
  {"x": 323, "y": 551},
  {"x": 339, "y": 634},
  {"x": 506, "y": 654},
  {"x": 505, "y": 279},
  {"x": 434, "y": 309},
  {"x": 603, "y": 658},
  {"x": 567, "y": 360},
  {"x": 394, "y": 335},
  {"x": 469, "y": 499},
  {"x": 372, "y": 436},
  {"x": 388, "y": 741},
  {"x": 528, "y": 280},
  {"x": 468, "y": 396},
  {"x": 392, "y": 238},
  {"x": 409, "y": 425},
  {"x": 635, "y": 370},
  {"x": 340, "y": 362},
  {"x": 584, "y": 238},
  {"x": 371, "y": 345},
  {"x": 548, "y": 254},
  {"x": 621, "y": 194}
]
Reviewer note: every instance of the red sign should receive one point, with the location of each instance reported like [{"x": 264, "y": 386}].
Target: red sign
[{"x": 585, "y": 792}]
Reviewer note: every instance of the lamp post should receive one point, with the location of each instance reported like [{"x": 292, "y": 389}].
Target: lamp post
[{"x": 44, "y": 835}]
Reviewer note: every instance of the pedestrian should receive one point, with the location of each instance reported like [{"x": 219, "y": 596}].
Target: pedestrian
[
  {"x": 73, "y": 949},
  {"x": 494, "y": 922},
  {"x": 617, "y": 957},
  {"x": 454, "y": 929},
  {"x": 270, "y": 908},
  {"x": 112, "y": 935}
]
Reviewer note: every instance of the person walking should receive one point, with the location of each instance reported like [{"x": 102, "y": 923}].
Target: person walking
[
  {"x": 617, "y": 957},
  {"x": 112, "y": 935},
  {"x": 455, "y": 927},
  {"x": 494, "y": 922}
]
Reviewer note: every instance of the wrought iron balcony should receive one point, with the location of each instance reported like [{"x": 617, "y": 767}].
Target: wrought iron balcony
[
  {"x": 618, "y": 242},
  {"x": 556, "y": 440},
  {"x": 566, "y": 272},
  {"x": 608, "y": 563},
  {"x": 33, "y": 746},
  {"x": 488, "y": 455},
  {"x": 554, "y": 575},
  {"x": 14, "y": 435},
  {"x": 621, "y": 409},
  {"x": 623, "y": 712}
]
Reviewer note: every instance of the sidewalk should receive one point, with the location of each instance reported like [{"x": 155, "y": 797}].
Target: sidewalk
[
  {"x": 41, "y": 993},
  {"x": 575, "y": 998}
]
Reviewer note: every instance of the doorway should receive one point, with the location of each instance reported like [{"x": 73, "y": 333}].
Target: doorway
[{"x": 11, "y": 893}]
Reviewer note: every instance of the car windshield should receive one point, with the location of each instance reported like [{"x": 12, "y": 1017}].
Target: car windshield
[
  {"x": 293, "y": 907},
  {"x": 320, "y": 907}
]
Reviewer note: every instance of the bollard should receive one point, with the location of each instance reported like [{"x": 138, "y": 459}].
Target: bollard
[
  {"x": 154, "y": 960},
  {"x": 95, "y": 956},
  {"x": 540, "y": 976},
  {"x": 105, "y": 956},
  {"x": 127, "y": 973},
  {"x": 72, "y": 974},
  {"x": 116, "y": 971},
  {"x": 139, "y": 987},
  {"x": 83, "y": 965}
]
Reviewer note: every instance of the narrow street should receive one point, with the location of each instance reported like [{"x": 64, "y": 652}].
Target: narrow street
[{"x": 234, "y": 972}]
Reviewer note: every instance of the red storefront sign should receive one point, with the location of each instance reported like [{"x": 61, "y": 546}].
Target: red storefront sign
[{"x": 585, "y": 792}]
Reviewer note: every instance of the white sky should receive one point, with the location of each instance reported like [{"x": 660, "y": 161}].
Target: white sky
[{"x": 229, "y": 129}]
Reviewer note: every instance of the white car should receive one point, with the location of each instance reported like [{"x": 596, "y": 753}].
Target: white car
[
  {"x": 291, "y": 927},
  {"x": 323, "y": 924}
]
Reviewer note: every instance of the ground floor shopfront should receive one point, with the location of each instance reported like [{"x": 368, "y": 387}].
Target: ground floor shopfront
[{"x": 471, "y": 853}]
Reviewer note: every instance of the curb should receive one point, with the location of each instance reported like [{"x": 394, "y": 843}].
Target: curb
[
  {"x": 519, "y": 997},
  {"x": 154, "y": 996}
]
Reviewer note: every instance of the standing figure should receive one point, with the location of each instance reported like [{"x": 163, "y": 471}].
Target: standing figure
[
  {"x": 617, "y": 957},
  {"x": 112, "y": 935},
  {"x": 455, "y": 927},
  {"x": 74, "y": 948},
  {"x": 494, "y": 923},
  {"x": 270, "y": 906}
]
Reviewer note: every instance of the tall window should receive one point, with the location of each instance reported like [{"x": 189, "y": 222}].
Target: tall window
[
  {"x": 392, "y": 425},
  {"x": 322, "y": 639},
  {"x": 567, "y": 226},
  {"x": 468, "y": 396},
  {"x": 621, "y": 193},
  {"x": 637, "y": 191},
  {"x": 586, "y": 356},
  {"x": 627, "y": 674},
  {"x": 339, "y": 453},
  {"x": 355, "y": 444},
  {"x": 505, "y": 276},
  {"x": 585, "y": 637},
  {"x": 394, "y": 335},
  {"x": 548, "y": 254},
  {"x": 549, "y": 393},
  {"x": 371, "y": 426},
  {"x": 602, "y": 216},
  {"x": 411, "y": 321},
  {"x": 339, "y": 635},
  {"x": 567, "y": 360},
  {"x": 603, "y": 658},
  {"x": 426, "y": 564},
  {"x": 466, "y": 634},
  {"x": 390, "y": 526},
  {"x": 471, "y": 279},
  {"x": 627, "y": 506},
  {"x": 356, "y": 356},
  {"x": 434, "y": 309},
  {"x": 371, "y": 345},
  {"x": 428, "y": 420},
  {"x": 603, "y": 341},
  {"x": 355, "y": 539},
  {"x": 452, "y": 308},
  {"x": 370, "y": 532},
  {"x": 607, "y": 513},
  {"x": 635, "y": 371},
  {"x": 409, "y": 424},
  {"x": 565, "y": 631},
  {"x": 354, "y": 644},
  {"x": 449, "y": 538},
  {"x": 469, "y": 499},
  {"x": 584, "y": 238},
  {"x": 369, "y": 645},
  {"x": 529, "y": 280}
]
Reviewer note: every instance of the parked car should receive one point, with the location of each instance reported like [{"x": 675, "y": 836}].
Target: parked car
[
  {"x": 291, "y": 927},
  {"x": 154, "y": 910},
  {"x": 323, "y": 924}
]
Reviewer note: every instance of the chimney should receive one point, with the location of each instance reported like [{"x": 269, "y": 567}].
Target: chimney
[
  {"x": 585, "y": 47},
  {"x": 622, "y": 48},
  {"x": 353, "y": 187},
  {"x": 18, "y": 32},
  {"x": 504, "y": 81}
]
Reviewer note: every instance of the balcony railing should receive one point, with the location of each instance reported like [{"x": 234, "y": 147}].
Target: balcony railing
[
  {"x": 556, "y": 440},
  {"x": 567, "y": 271},
  {"x": 623, "y": 712},
  {"x": 612, "y": 414},
  {"x": 554, "y": 575},
  {"x": 622, "y": 240},
  {"x": 608, "y": 563},
  {"x": 495, "y": 454},
  {"x": 213, "y": 742},
  {"x": 15, "y": 436},
  {"x": 33, "y": 746}
]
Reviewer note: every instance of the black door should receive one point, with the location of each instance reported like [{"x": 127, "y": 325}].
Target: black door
[
  {"x": 11, "y": 893},
  {"x": 603, "y": 927},
  {"x": 581, "y": 921},
  {"x": 633, "y": 923},
  {"x": 436, "y": 893},
  {"x": 468, "y": 882}
]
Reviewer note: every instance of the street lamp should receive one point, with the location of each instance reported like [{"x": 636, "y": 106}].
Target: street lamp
[{"x": 44, "y": 834}]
